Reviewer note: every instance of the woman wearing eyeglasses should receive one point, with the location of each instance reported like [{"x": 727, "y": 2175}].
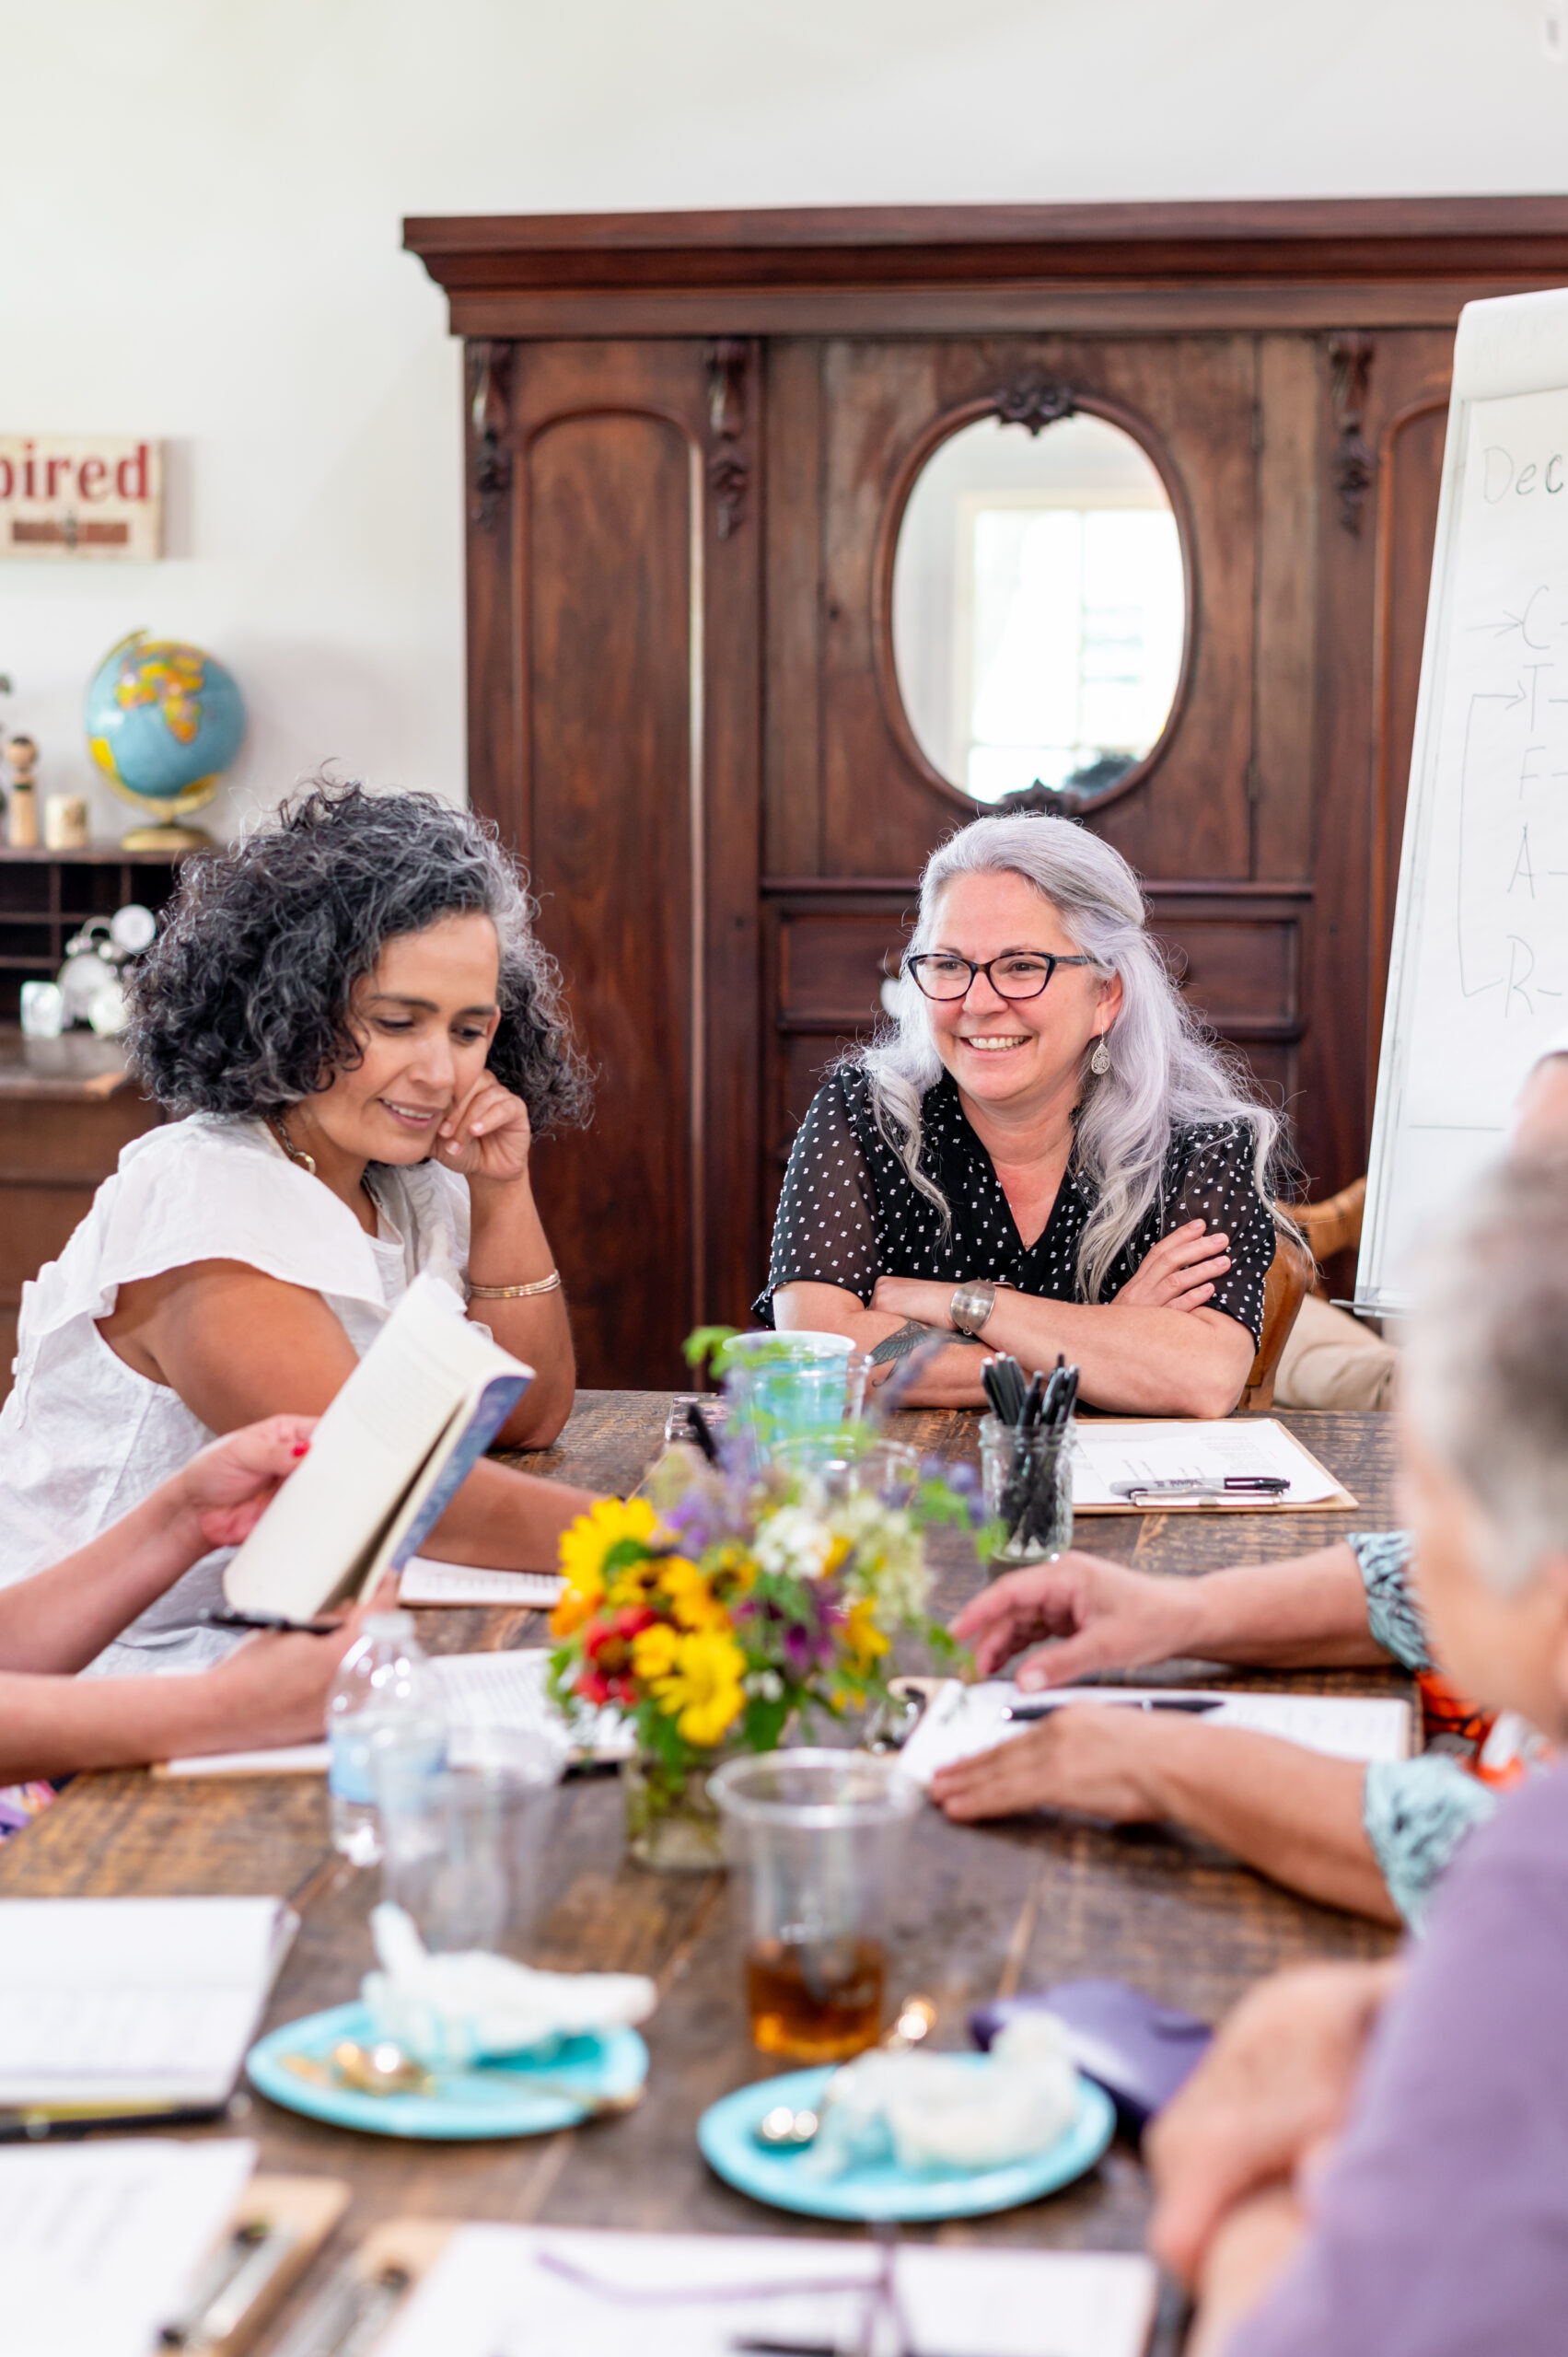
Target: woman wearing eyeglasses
[{"x": 1045, "y": 1154}]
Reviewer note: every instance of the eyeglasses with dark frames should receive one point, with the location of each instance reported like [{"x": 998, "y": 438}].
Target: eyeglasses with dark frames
[{"x": 1022, "y": 973}]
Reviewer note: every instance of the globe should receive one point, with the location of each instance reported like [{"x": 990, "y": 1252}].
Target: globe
[{"x": 164, "y": 722}]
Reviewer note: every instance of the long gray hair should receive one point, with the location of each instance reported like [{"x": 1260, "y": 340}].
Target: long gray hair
[{"x": 1165, "y": 1074}]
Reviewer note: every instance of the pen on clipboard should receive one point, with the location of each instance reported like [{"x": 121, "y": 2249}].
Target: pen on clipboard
[
  {"x": 1191, "y": 1705},
  {"x": 1234, "y": 1485}
]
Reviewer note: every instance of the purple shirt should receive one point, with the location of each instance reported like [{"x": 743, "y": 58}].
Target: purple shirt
[{"x": 1441, "y": 2229}]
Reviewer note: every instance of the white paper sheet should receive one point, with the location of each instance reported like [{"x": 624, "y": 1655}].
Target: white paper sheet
[
  {"x": 288, "y": 1759},
  {"x": 499, "y": 1689},
  {"x": 99, "y": 2242},
  {"x": 1188, "y": 1450},
  {"x": 507, "y": 1689},
  {"x": 492, "y": 2293},
  {"x": 960, "y": 1720},
  {"x": 424, "y": 1582},
  {"x": 133, "y": 2001}
]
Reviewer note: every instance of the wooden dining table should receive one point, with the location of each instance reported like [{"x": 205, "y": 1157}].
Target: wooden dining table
[{"x": 986, "y": 1911}]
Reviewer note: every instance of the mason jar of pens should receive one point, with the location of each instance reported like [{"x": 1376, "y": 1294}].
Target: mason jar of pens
[{"x": 1025, "y": 1452}]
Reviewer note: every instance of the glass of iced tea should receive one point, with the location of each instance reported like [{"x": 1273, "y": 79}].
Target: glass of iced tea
[{"x": 819, "y": 1835}]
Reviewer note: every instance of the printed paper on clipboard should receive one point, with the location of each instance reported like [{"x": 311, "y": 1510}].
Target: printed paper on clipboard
[{"x": 1126, "y": 1451}]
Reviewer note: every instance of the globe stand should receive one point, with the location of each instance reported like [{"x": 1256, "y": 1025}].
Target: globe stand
[{"x": 169, "y": 838}]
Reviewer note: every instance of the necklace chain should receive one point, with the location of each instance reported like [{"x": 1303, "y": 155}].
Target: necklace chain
[{"x": 296, "y": 1154}]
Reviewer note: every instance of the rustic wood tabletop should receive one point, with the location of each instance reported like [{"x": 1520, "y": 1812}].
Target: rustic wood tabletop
[{"x": 988, "y": 1911}]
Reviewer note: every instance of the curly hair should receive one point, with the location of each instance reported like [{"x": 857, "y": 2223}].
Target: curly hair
[{"x": 241, "y": 1005}]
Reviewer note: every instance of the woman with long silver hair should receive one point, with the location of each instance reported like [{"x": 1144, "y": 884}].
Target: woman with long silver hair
[{"x": 1044, "y": 1154}]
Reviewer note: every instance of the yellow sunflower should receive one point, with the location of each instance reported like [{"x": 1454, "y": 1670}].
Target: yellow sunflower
[
  {"x": 863, "y": 1638},
  {"x": 654, "y": 1652},
  {"x": 701, "y": 1690},
  {"x": 623, "y": 1529},
  {"x": 692, "y": 1600}
]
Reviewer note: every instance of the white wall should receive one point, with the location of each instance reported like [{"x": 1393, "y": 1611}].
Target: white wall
[{"x": 198, "y": 221}]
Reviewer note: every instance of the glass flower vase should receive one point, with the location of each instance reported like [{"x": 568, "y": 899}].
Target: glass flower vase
[{"x": 671, "y": 1824}]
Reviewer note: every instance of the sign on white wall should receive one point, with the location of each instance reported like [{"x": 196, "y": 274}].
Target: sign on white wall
[{"x": 80, "y": 495}]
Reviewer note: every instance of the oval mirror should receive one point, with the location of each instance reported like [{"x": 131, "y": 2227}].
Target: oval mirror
[{"x": 1039, "y": 609}]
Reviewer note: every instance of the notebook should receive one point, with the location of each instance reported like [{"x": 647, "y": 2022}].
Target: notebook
[
  {"x": 960, "y": 1720},
  {"x": 387, "y": 1457},
  {"x": 426, "y": 1583},
  {"x": 480, "y": 1690},
  {"x": 500, "y": 2291},
  {"x": 99, "y": 2242},
  {"x": 132, "y": 2005}
]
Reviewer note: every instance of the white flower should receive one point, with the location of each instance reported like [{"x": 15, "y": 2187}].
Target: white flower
[
  {"x": 794, "y": 1541},
  {"x": 888, "y": 1563}
]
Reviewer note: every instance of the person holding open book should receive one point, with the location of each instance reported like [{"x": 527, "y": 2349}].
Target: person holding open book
[
  {"x": 272, "y": 1690},
  {"x": 1376, "y": 1841},
  {"x": 1046, "y": 1154},
  {"x": 360, "y": 1038}
]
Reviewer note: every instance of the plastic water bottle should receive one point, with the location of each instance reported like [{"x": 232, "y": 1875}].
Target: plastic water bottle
[{"x": 384, "y": 1700}]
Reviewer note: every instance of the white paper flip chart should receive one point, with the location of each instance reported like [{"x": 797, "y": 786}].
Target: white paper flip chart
[{"x": 1478, "y": 979}]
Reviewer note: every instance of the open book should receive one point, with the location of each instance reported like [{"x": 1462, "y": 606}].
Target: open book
[
  {"x": 390, "y": 1455},
  {"x": 136, "y": 2006}
]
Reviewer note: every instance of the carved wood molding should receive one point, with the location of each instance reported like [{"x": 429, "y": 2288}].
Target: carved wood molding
[
  {"x": 1035, "y": 404},
  {"x": 729, "y": 471},
  {"x": 490, "y": 369},
  {"x": 1354, "y": 466}
]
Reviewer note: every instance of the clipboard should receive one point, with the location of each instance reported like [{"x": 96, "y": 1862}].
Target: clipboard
[
  {"x": 356, "y": 2309},
  {"x": 275, "y": 2230},
  {"x": 1339, "y": 1501}
]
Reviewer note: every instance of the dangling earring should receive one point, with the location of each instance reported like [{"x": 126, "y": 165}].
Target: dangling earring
[{"x": 1099, "y": 1062}]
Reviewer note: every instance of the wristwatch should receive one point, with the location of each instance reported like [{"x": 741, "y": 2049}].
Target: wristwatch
[{"x": 970, "y": 1307}]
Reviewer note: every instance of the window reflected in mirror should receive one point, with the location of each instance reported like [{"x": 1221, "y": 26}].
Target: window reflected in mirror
[{"x": 1038, "y": 607}]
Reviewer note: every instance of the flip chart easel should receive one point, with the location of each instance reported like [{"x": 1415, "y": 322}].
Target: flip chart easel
[{"x": 1478, "y": 980}]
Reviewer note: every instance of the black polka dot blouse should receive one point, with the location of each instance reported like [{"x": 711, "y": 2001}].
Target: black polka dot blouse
[{"x": 848, "y": 1214}]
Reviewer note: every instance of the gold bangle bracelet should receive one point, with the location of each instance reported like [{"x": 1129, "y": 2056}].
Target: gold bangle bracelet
[{"x": 514, "y": 1292}]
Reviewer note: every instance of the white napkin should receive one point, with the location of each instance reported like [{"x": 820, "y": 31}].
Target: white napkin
[
  {"x": 947, "y": 2111},
  {"x": 449, "y": 2011}
]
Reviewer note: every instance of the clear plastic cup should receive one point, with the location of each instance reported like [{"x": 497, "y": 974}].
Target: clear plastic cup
[
  {"x": 842, "y": 1468},
  {"x": 820, "y": 1835},
  {"x": 460, "y": 1851},
  {"x": 784, "y": 1396}
]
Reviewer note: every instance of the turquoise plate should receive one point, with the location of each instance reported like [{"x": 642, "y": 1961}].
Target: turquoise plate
[
  {"x": 726, "y": 2133},
  {"x": 494, "y": 2100}
]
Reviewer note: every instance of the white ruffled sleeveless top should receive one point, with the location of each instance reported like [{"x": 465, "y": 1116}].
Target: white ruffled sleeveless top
[{"x": 84, "y": 1438}]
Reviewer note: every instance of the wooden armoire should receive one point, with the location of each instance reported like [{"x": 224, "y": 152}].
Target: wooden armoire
[{"x": 690, "y": 439}]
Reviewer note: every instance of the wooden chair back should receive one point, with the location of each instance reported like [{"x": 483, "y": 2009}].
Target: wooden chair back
[
  {"x": 1335, "y": 1226},
  {"x": 1291, "y": 1274}
]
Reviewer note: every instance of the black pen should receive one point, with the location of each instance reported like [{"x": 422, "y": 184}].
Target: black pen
[
  {"x": 216, "y": 1616},
  {"x": 1194, "y": 1705}
]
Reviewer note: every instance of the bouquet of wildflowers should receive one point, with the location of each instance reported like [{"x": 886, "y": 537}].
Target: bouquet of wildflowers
[{"x": 727, "y": 1603}]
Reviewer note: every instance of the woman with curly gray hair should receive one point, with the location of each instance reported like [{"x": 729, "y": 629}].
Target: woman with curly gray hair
[
  {"x": 1045, "y": 1152},
  {"x": 358, "y": 1038}
]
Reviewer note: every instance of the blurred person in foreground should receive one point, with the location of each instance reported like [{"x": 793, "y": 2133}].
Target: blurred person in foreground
[
  {"x": 1373, "y": 2159},
  {"x": 1376, "y": 1841}
]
